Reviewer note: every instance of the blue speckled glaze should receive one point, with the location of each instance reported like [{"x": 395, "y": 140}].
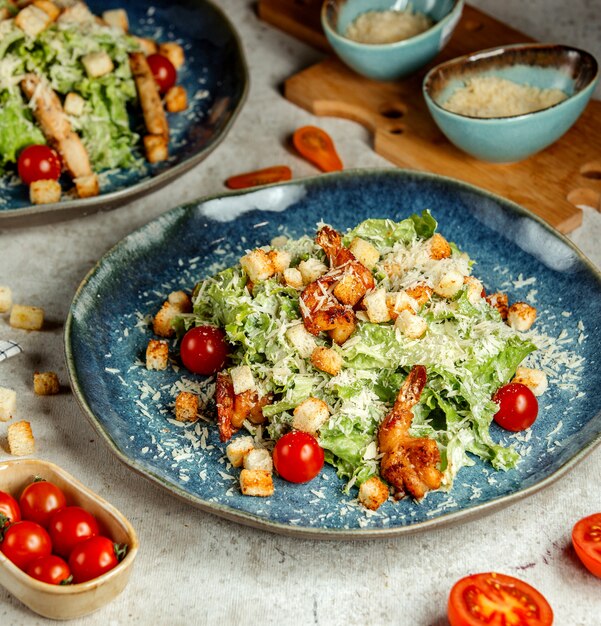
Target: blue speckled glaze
[
  {"x": 215, "y": 78},
  {"x": 103, "y": 343}
]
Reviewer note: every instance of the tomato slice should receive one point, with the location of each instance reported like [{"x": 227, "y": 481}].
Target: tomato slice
[
  {"x": 275, "y": 174},
  {"x": 497, "y": 600},
  {"x": 586, "y": 539},
  {"x": 317, "y": 147}
]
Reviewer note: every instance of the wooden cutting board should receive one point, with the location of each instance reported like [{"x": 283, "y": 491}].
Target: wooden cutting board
[{"x": 550, "y": 183}]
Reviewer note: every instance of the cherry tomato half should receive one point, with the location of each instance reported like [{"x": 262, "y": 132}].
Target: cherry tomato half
[
  {"x": 9, "y": 508},
  {"x": 493, "y": 598},
  {"x": 518, "y": 407},
  {"x": 163, "y": 71},
  {"x": 49, "y": 569},
  {"x": 40, "y": 500},
  {"x": 204, "y": 350},
  {"x": 38, "y": 162},
  {"x": 586, "y": 539},
  {"x": 298, "y": 457},
  {"x": 70, "y": 526},
  {"x": 92, "y": 558},
  {"x": 25, "y": 541}
]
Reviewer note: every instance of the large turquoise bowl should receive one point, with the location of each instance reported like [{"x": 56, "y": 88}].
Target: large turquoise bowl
[
  {"x": 391, "y": 60},
  {"x": 510, "y": 139}
]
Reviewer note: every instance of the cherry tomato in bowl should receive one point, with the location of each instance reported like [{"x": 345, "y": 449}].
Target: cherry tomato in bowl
[
  {"x": 586, "y": 539},
  {"x": 163, "y": 71},
  {"x": 25, "y": 541},
  {"x": 40, "y": 500},
  {"x": 50, "y": 569},
  {"x": 70, "y": 526},
  {"x": 204, "y": 350},
  {"x": 38, "y": 162},
  {"x": 92, "y": 558},
  {"x": 518, "y": 407},
  {"x": 297, "y": 457},
  {"x": 9, "y": 508},
  {"x": 493, "y": 598}
]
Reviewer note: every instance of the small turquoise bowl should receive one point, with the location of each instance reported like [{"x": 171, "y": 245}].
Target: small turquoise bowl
[
  {"x": 390, "y": 60},
  {"x": 510, "y": 139}
]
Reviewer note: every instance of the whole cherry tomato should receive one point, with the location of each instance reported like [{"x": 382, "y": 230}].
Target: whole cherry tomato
[
  {"x": 92, "y": 558},
  {"x": 204, "y": 350},
  {"x": 9, "y": 508},
  {"x": 163, "y": 71},
  {"x": 69, "y": 526},
  {"x": 586, "y": 539},
  {"x": 518, "y": 407},
  {"x": 25, "y": 541},
  {"x": 49, "y": 569},
  {"x": 298, "y": 457},
  {"x": 40, "y": 500},
  {"x": 38, "y": 162}
]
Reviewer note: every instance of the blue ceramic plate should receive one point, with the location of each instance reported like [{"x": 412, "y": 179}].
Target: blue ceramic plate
[
  {"x": 107, "y": 333},
  {"x": 216, "y": 80}
]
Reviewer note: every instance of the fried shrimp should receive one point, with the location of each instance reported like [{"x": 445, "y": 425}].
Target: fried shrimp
[
  {"x": 320, "y": 310},
  {"x": 410, "y": 464}
]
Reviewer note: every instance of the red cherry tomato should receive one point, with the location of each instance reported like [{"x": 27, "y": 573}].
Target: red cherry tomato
[
  {"x": 163, "y": 71},
  {"x": 518, "y": 407},
  {"x": 493, "y": 598},
  {"x": 586, "y": 539},
  {"x": 298, "y": 457},
  {"x": 92, "y": 558},
  {"x": 70, "y": 526},
  {"x": 9, "y": 508},
  {"x": 25, "y": 541},
  {"x": 49, "y": 569},
  {"x": 40, "y": 500},
  {"x": 204, "y": 350},
  {"x": 38, "y": 162}
]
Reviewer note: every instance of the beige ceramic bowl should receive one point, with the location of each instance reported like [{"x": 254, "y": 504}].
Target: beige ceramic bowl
[{"x": 69, "y": 601}]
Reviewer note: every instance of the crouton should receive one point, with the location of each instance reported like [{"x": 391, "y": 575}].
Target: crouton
[
  {"x": 242, "y": 379},
  {"x": 364, "y": 252},
  {"x": 326, "y": 360},
  {"x": 161, "y": 324},
  {"x": 174, "y": 52},
  {"x": 310, "y": 415},
  {"x": 73, "y": 104},
  {"x": 400, "y": 301},
  {"x": 349, "y": 289},
  {"x": 186, "y": 407},
  {"x": 8, "y": 403},
  {"x": 116, "y": 18},
  {"x": 87, "y": 186},
  {"x": 279, "y": 242},
  {"x": 156, "y": 148},
  {"x": 258, "y": 459},
  {"x": 238, "y": 449},
  {"x": 149, "y": 97},
  {"x": 257, "y": 265},
  {"x": 411, "y": 325},
  {"x": 77, "y": 13},
  {"x": 439, "y": 247},
  {"x": 500, "y": 302},
  {"x": 311, "y": 270},
  {"x": 448, "y": 284},
  {"x": 45, "y": 383},
  {"x": 157, "y": 355},
  {"x": 373, "y": 493},
  {"x": 420, "y": 293},
  {"x": 20, "y": 439},
  {"x": 176, "y": 99},
  {"x": 376, "y": 307},
  {"x": 535, "y": 380},
  {"x": 97, "y": 64},
  {"x": 256, "y": 483},
  {"x": 147, "y": 46},
  {"x": 181, "y": 301},
  {"x": 280, "y": 260},
  {"x": 302, "y": 340},
  {"x": 343, "y": 330},
  {"x": 45, "y": 191},
  {"x": 48, "y": 7},
  {"x": 6, "y": 298},
  {"x": 293, "y": 278},
  {"x": 474, "y": 289},
  {"x": 26, "y": 317},
  {"x": 521, "y": 316},
  {"x": 32, "y": 20}
]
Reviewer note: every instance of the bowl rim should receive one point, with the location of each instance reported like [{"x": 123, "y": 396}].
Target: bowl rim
[
  {"x": 457, "y": 8},
  {"x": 472, "y": 57},
  {"x": 89, "y": 585}
]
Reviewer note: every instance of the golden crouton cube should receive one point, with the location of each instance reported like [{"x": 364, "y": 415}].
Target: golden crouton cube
[
  {"x": 400, "y": 301},
  {"x": 156, "y": 148},
  {"x": 186, "y": 407},
  {"x": 310, "y": 415},
  {"x": 521, "y": 316},
  {"x": 161, "y": 324},
  {"x": 349, "y": 289},
  {"x": 411, "y": 325},
  {"x": 174, "y": 52},
  {"x": 176, "y": 99},
  {"x": 26, "y": 317},
  {"x": 256, "y": 483},
  {"x": 258, "y": 459},
  {"x": 32, "y": 20},
  {"x": 73, "y": 104},
  {"x": 439, "y": 247},
  {"x": 302, "y": 340},
  {"x": 97, "y": 64},
  {"x": 148, "y": 46},
  {"x": 157, "y": 355},
  {"x": 280, "y": 260},
  {"x": 238, "y": 449},
  {"x": 311, "y": 270},
  {"x": 535, "y": 380},
  {"x": 364, "y": 252},
  {"x": 76, "y": 13},
  {"x": 257, "y": 265},
  {"x": 373, "y": 493},
  {"x": 20, "y": 439},
  {"x": 474, "y": 289},
  {"x": 242, "y": 379},
  {"x": 48, "y": 7},
  {"x": 293, "y": 278},
  {"x": 500, "y": 302},
  {"x": 326, "y": 360},
  {"x": 181, "y": 301},
  {"x": 45, "y": 191},
  {"x": 6, "y": 298},
  {"x": 8, "y": 403},
  {"x": 377, "y": 309},
  {"x": 420, "y": 293},
  {"x": 87, "y": 186},
  {"x": 343, "y": 330},
  {"x": 449, "y": 284},
  {"x": 45, "y": 383},
  {"x": 117, "y": 18}
]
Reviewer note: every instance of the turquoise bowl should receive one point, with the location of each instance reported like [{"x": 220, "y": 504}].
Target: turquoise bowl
[
  {"x": 390, "y": 60},
  {"x": 510, "y": 139}
]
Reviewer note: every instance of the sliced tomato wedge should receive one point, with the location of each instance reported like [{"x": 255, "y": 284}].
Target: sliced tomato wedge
[
  {"x": 586, "y": 539},
  {"x": 497, "y": 600}
]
